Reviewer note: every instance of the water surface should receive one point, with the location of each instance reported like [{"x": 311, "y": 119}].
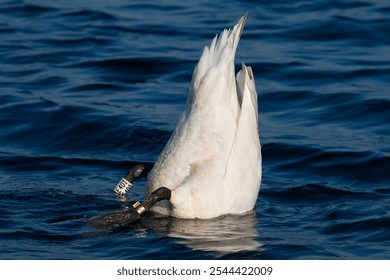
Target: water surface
[{"x": 90, "y": 88}]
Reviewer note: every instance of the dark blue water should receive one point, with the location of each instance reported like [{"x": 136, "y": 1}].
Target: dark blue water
[{"x": 90, "y": 88}]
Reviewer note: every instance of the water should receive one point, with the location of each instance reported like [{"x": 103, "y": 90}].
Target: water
[{"x": 90, "y": 88}]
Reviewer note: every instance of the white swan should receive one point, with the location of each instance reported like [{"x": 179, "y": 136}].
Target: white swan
[{"x": 212, "y": 162}]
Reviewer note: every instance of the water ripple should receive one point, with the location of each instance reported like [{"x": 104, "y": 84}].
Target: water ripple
[{"x": 87, "y": 91}]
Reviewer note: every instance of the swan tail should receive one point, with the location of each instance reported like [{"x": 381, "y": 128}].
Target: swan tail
[
  {"x": 212, "y": 100},
  {"x": 221, "y": 50}
]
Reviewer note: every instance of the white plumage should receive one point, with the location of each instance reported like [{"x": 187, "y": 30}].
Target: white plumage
[{"x": 212, "y": 162}]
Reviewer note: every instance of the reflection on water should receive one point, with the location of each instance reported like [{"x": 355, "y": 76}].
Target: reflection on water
[{"x": 219, "y": 236}]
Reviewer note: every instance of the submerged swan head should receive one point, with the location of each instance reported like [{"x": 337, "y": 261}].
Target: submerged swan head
[{"x": 212, "y": 162}]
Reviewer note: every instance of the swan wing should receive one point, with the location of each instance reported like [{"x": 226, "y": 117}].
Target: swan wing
[{"x": 243, "y": 174}]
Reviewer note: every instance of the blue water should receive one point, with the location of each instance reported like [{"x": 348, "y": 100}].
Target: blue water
[{"x": 90, "y": 88}]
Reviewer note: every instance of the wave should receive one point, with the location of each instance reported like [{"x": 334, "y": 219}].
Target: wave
[
  {"x": 325, "y": 164},
  {"x": 89, "y": 91}
]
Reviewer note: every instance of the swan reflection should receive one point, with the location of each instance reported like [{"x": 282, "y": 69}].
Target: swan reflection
[{"x": 220, "y": 236}]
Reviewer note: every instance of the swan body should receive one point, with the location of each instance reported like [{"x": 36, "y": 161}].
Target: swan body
[{"x": 212, "y": 162}]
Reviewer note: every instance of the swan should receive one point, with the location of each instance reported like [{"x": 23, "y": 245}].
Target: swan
[{"x": 212, "y": 165}]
